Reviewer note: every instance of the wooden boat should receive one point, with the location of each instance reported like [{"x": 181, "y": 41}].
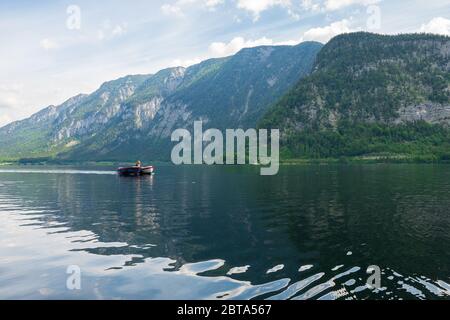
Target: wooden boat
[{"x": 136, "y": 171}]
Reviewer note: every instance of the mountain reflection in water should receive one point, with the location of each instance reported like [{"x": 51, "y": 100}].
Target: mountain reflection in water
[{"x": 310, "y": 232}]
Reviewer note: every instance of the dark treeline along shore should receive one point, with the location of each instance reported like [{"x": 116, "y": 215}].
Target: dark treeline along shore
[{"x": 361, "y": 96}]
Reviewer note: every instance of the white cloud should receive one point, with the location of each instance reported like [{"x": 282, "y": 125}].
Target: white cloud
[
  {"x": 222, "y": 49},
  {"x": 177, "y": 9},
  {"x": 172, "y": 10},
  {"x": 293, "y": 14},
  {"x": 48, "y": 44},
  {"x": 119, "y": 30},
  {"x": 332, "y": 5},
  {"x": 293, "y": 7},
  {"x": 310, "y": 5},
  {"x": 258, "y": 6},
  {"x": 225, "y": 49},
  {"x": 324, "y": 34},
  {"x": 107, "y": 31},
  {"x": 213, "y": 3},
  {"x": 185, "y": 62},
  {"x": 437, "y": 25}
]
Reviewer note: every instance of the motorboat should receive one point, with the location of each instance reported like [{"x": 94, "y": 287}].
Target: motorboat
[{"x": 136, "y": 171}]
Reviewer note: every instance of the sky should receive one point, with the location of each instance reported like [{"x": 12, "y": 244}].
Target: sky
[{"x": 53, "y": 50}]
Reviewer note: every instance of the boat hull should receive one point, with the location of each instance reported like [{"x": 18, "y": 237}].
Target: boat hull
[{"x": 136, "y": 171}]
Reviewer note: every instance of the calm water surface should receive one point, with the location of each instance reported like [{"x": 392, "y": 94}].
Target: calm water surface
[{"x": 226, "y": 233}]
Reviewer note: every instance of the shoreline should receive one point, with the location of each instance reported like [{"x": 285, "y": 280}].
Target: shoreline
[
  {"x": 283, "y": 162},
  {"x": 362, "y": 161}
]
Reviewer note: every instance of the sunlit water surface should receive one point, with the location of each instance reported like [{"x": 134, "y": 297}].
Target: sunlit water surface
[{"x": 310, "y": 232}]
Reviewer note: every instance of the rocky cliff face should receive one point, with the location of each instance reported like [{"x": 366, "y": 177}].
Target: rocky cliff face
[
  {"x": 432, "y": 113},
  {"x": 93, "y": 112}
]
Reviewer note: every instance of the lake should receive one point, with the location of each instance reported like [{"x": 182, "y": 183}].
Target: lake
[{"x": 311, "y": 232}]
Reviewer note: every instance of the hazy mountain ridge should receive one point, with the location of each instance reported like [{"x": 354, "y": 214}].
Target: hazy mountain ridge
[
  {"x": 52, "y": 129},
  {"x": 360, "y": 94},
  {"x": 135, "y": 115}
]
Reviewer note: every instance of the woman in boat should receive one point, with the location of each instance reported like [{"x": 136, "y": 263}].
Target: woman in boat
[{"x": 138, "y": 164}]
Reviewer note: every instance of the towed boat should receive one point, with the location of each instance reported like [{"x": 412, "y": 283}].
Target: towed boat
[{"x": 136, "y": 171}]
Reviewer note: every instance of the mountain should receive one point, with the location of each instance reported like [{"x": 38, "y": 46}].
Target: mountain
[
  {"x": 370, "y": 95},
  {"x": 50, "y": 131},
  {"x": 133, "y": 117}
]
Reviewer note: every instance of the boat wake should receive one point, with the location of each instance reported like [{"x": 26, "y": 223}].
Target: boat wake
[{"x": 57, "y": 171}]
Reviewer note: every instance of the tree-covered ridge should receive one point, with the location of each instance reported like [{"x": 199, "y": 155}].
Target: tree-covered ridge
[
  {"x": 355, "y": 99},
  {"x": 416, "y": 141},
  {"x": 368, "y": 77}
]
